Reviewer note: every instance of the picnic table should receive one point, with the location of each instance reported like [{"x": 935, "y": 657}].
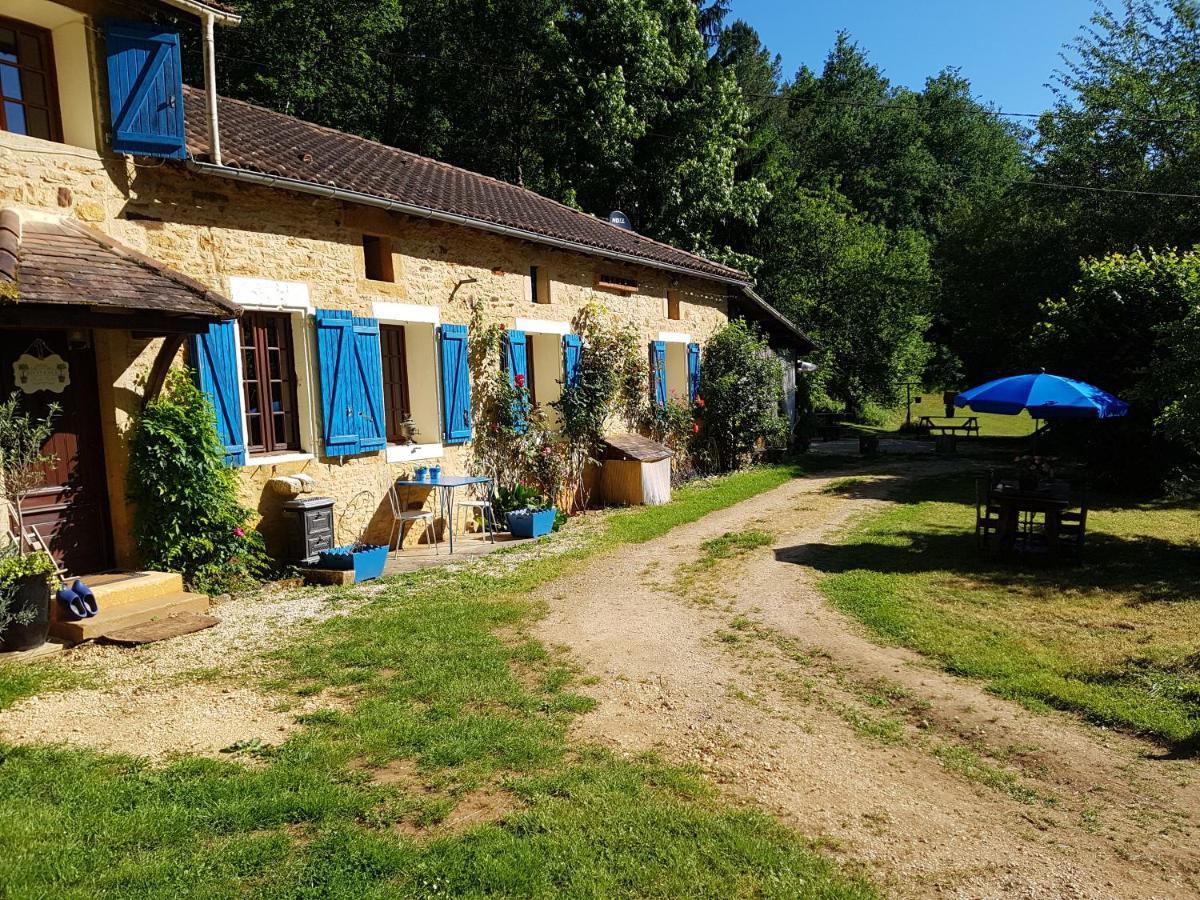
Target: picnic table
[
  {"x": 949, "y": 426},
  {"x": 1019, "y": 505}
]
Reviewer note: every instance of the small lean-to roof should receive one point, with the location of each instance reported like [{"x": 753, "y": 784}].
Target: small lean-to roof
[
  {"x": 62, "y": 262},
  {"x": 269, "y": 143},
  {"x": 635, "y": 447}
]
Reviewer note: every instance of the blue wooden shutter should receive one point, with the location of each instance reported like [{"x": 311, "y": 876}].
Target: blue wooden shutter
[
  {"x": 368, "y": 384},
  {"x": 456, "y": 384},
  {"x": 214, "y": 357},
  {"x": 516, "y": 356},
  {"x": 658, "y": 371},
  {"x": 693, "y": 372},
  {"x": 335, "y": 358},
  {"x": 145, "y": 90},
  {"x": 572, "y": 349}
]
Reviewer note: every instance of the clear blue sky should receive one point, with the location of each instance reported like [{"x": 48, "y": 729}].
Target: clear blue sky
[{"x": 1007, "y": 48}]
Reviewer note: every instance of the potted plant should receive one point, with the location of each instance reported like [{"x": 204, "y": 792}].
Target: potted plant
[
  {"x": 24, "y": 598},
  {"x": 24, "y": 573},
  {"x": 366, "y": 560},
  {"x": 525, "y": 511}
]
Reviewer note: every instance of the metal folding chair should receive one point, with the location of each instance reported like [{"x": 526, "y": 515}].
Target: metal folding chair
[
  {"x": 400, "y": 515},
  {"x": 474, "y": 504}
]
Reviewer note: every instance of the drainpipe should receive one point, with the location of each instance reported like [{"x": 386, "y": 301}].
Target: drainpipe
[{"x": 210, "y": 91}]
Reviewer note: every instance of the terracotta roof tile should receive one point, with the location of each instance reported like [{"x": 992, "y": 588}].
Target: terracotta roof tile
[
  {"x": 259, "y": 140},
  {"x": 65, "y": 262}
]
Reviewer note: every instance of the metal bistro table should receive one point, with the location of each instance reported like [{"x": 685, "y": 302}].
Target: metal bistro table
[
  {"x": 1050, "y": 498},
  {"x": 446, "y": 485}
]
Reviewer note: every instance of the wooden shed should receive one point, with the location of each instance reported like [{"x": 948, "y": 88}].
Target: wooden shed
[{"x": 636, "y": 471}]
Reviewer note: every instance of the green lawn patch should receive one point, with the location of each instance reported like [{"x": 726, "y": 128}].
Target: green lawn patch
[
  {"x": 1112, "y": 639},
  {"x": 446, "y": 698}
]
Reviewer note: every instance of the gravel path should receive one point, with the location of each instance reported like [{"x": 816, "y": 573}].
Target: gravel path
[{"x": 746, "y": 670}]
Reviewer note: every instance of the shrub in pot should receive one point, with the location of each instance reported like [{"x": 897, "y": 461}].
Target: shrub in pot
[{"x": 24, "y": 598}]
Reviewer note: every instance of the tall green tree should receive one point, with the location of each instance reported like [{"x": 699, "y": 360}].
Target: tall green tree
[{"x": 864, "y": 292}]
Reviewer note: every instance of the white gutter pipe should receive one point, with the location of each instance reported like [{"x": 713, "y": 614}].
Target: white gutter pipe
[{"x": 210, "y": 89}]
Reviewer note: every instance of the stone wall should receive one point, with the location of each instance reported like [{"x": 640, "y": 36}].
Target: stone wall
[{"x": 213, "y": 229}]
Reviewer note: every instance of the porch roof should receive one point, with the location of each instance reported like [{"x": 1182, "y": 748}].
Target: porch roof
[{"x": 47, "y": 263}]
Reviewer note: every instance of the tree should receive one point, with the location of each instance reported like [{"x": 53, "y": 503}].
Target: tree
[
  {"x": 863, "y": 292},
  {"x": 1124, "y": 326},
  {"x": 23, "y": 462},
  {"x": 741, "y": 386}
]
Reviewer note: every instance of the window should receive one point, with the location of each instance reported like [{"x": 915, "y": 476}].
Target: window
[
  {"x": 269, "y": 383},
  {"x": 616, "y": 283},
  {"x": 396, "y": 404},
  {"x": 539, "y": 285},
  {"x": 672, "y": 304},
  {"x": 531, "y": 371},
  {"x": 377, "y": 258},
  {"x": 30, "y": 94}
]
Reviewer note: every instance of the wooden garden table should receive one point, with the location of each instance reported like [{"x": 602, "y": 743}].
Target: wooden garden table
[{"x": 1050, "y": 498}]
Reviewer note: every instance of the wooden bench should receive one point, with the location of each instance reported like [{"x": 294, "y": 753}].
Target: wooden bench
[{"x": 968, "y": 426}]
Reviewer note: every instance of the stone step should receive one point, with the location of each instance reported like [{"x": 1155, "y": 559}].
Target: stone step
[
  {"x": 126, "y": 615},
  {"x": 115, "y": 589}
]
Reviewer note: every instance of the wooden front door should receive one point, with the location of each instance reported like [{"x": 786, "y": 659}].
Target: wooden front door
[{"x": 70, "y": 509}]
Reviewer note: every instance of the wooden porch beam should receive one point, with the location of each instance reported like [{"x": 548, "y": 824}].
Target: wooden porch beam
[{"x": 162, "y": 365}]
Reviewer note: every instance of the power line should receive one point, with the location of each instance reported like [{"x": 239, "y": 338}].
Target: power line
[{"x": 1105, "y": 190}]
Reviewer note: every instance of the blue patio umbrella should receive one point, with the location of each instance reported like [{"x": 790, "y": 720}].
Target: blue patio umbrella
[{"x": 1044, "y": 396}]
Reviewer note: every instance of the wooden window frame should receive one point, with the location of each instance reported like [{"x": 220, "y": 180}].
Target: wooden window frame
[
  {"x": 673, "y": 310},
  {"x": 256, "y": 370},
  {"x": 618, "y": 283},
  {"x": 530, "y": 371},
  {"x": 393, "y": 353},
  {"x": 377, "y": 258},
  {"x": 46, "y": 45}
]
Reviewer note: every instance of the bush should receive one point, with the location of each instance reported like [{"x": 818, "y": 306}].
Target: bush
[
  {"x": 1129, "y": 326},
  {"x": 741, "y": 391},
  {"x": 188, "y": 517}
]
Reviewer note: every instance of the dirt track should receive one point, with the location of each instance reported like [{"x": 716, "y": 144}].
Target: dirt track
[{"x": 937, "y": 787}]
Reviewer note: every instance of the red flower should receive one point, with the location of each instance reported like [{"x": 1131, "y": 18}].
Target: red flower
[
  {"x": 239, "y": 532},
  {"x": 520, "y": 380},
  {"x": 700, "y": 402},
  {"x": 695, "y": 428}
]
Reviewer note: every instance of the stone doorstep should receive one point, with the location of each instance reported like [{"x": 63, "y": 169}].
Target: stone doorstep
[
  {"x": 117, "y": 589},
  {"x": 126, "y": 615}
]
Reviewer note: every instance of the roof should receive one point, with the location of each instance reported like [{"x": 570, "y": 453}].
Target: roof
[
  {"x": 270, "y": 143},
  {"x": 223, "y": 12},
  {"x": 635, "y": 447},
  {"x": 61, "y": 261}
]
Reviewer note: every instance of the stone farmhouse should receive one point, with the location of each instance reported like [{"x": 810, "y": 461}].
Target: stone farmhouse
[{"x": 320, "y": 284}]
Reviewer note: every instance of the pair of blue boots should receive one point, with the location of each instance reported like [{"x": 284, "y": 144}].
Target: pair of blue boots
[{"x": 78, "y": 600}]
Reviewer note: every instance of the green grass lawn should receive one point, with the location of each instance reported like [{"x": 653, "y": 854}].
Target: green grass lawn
[
  {"x": 449, "y": 699},
  {"x": 1113, "y": 639},
  {"x": 990, "y": 424}
]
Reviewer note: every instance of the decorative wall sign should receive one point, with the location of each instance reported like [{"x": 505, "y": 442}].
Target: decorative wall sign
[
  {"x": 45, "y": 373},
  {"x": 41, "y": 369}
]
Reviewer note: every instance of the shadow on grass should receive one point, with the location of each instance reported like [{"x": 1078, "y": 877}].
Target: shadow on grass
[{"x": 1151, "y": 569}]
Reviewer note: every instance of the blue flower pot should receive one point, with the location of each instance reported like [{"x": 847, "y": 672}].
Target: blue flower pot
[
  {"x": 367, "y": 563},
  {"x": 531, "y": 524}
]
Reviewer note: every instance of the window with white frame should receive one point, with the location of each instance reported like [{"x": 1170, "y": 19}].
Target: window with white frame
[
  {"x": 676, "y": 365},
  {"x": 411, "y": 389},
  {"x": 274, "y": 360}
]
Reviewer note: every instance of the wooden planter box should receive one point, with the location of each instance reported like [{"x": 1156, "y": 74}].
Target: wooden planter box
[{"x": 366, "y": 563}]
